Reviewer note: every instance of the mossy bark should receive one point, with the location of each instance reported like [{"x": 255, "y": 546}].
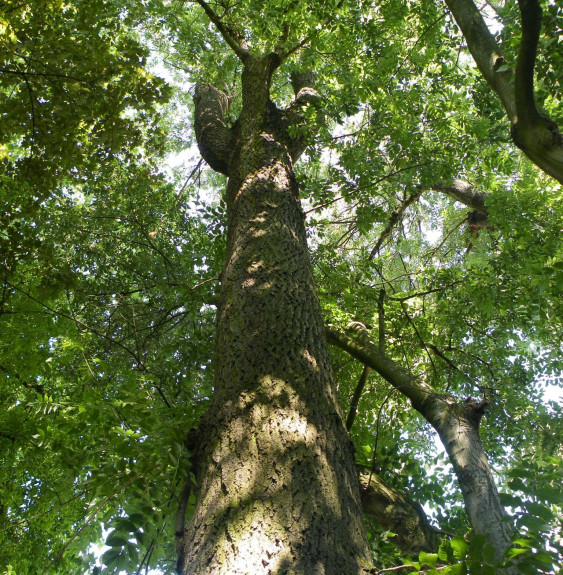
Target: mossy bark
[{"x": 277, "y": 487}]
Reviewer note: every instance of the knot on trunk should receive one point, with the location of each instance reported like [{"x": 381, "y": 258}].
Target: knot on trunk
[{"x": 474, "y": 409}]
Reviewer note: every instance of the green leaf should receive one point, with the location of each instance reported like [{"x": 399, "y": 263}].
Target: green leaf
[
  {"x": 515, "y": 552},
  {"x": 116, "y": 540},
  {"x": 428, "y": 558},
  {"x": 539, "y": 510},
  {"x": 110, "y": 557},
  {"x": 459, "y": 546}
]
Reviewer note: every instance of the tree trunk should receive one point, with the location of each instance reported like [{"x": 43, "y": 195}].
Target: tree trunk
[{"x": 277, "y": 487}]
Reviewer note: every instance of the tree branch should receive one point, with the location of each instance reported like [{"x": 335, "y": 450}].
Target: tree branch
[
  {"x": 241, "y": 52},
  {"x": 381, "y": 319},
  {"x": 356, "y": 397},
  {"x": 303, "y": 84},
  {"x": 535, "y": 134},
  {"x": 180, "y": 521},
  {"x": 423, "y": 293},
  {"x": 526, "y": 109},
  {"x": 215, "y": 140},
  {"x": 368, "y": 353},
  {"x": 485, "y": 51},
  {"x": 465, "y": 193},
  {"x": 396, "y": 217},
  {"x": 457, "y": 424}
]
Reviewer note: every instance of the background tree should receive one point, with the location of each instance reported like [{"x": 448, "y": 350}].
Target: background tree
[{"x": 111, "y": 265}]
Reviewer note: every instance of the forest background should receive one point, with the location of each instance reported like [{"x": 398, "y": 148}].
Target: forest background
[{"x": 436, "y": 246}]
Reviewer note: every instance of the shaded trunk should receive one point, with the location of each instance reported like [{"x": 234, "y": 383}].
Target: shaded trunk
[
  {"x": 457, "y": 425},
  {"x": 277, "y": 486}
]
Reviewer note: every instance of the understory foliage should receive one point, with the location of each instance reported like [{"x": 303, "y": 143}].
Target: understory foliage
[{"x": 112, "y": 242}]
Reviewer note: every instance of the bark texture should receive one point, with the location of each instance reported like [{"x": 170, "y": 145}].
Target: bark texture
[
  {"x": 277, "y": 487},
  {"x": 457, "y": 425}
]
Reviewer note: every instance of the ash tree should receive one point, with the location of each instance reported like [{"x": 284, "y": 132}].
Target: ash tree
[{"x": 245, "y": 363}]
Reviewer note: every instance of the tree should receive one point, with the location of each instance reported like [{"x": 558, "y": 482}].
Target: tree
[{"x": 119, "y": 305}]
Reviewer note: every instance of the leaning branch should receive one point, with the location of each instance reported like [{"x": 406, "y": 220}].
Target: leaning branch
[
  {"x": 368, "y": 353},
  {"x": 464, "y": 193},
  {"x": 459, "y": 190},
  {"x": 485, "y": 51},
  {"x": 457, "y": 424}
]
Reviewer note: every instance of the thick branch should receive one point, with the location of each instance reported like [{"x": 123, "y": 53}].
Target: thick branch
[
  {"x": 300, "y": 132},
  {"x": 536, "y": 135},
  {"x": 458, "y": 427},
  {"x": 215, "y": 140},
  {"x": 526, "y": 109},
  {"x": 461, "y": 191},
  {"x": 396, "y": 512},
  {"x": 464, "y": 193},
  {"x": 368, "y": 353}
]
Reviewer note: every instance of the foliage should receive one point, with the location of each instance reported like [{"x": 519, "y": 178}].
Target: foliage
[{"x": 110, "y": 265}]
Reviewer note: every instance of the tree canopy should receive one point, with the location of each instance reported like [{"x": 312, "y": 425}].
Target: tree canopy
[{"x": 434, "y": 216}]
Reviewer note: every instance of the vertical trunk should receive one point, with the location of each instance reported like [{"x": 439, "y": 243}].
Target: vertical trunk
[{"x": 277, "y": 488}]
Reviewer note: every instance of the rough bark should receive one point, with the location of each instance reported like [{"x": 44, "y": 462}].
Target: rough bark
[
  {"x": 535, "y": 134},
  {"x": 277, "y": 487},
  {"x": 457, "y": 425}
]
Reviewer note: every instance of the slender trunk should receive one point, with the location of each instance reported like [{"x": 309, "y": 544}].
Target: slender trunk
[
  {"x": 277, "y": 487},
  {"x": 458, "y": 427}
]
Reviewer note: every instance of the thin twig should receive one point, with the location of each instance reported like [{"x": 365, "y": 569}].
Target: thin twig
[
  {"x": 88, "y": 519},
  {"x": 370, "y": 185}
]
